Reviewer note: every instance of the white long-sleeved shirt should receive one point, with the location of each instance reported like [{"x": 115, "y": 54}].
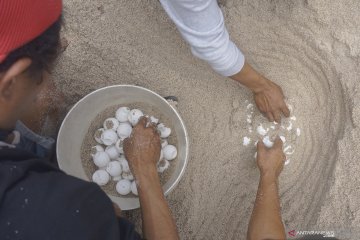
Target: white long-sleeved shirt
[{"x": 201, "y": 23}]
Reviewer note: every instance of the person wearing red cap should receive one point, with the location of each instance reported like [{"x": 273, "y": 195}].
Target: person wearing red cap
[{"x": 37, "y": 200}]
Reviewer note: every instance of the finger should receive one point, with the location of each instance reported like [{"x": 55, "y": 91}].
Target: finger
[
  {"x": 278, "y": 143},
  {"x": 125, "y": 143},
  {"x": 270, "y": 116},
  {"x": 277, "y": 116},
  {"x": 285, "y": 110},
  {"x": 142, "y": 122},
  {"x": 260, "y": 146}
]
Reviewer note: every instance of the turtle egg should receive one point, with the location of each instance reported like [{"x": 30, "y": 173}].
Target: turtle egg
[
  {"x": 123, "y": 187},
  {"x": 163, "y": 165},
  {"x": 164, "y": 142},
  {"x": 170, "y": 152},
  {"x": 112, "y": 152},
  {"x": 97, "y": 135},
  {"x": 246, "y": 141},
  {"x": 134, "y": 188},
  {"x": 109, "y": 137},
  {"x": 119, "y": 146},
  {"x": 164, "y": 131},
  {"x": 122, "y": 114},
  {"x": 100, "y": 177},
  {"x": 289, "y": 150},
  {"x": 268, "y": 143},
  {"x": 161, "y": 155},
  {"x": 96, "y": 149},
  {"x": 127, "y": 175},
  {"x": 101, "y": 159},
  {"x": 124, "y": 164},
  {"x": 134, "y": 116},
  {"x": 111, "y": 123},
  {"x": 287, "y": 161},
  {"x": 154, "y": 120},
  {"x": 114, "y": 168},
  {"x": 118, "y": 178},
  {"x": 261, "y": 130},
  {"x": 124, "y": 130}
]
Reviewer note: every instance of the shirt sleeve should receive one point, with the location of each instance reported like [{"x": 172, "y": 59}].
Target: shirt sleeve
[{"x": 201, "y": 23}]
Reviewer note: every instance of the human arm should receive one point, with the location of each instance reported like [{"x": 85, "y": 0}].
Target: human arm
[
  {"x": 268, "y": 96},
  {"x": 201, "y": 23},
  {"x": 265, "y": 222},
  {"x": 142, "y": 149}
]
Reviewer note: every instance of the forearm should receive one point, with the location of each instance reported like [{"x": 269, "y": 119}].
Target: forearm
[
  {"x": 201, "y": 24},
  {"x": 157, "y": 220},
  {"x": 250, "y": 78},
  {"x": 266, "y": 220}
]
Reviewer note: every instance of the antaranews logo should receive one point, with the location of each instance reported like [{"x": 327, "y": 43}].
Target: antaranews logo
[{"x": 292, "y": 233}]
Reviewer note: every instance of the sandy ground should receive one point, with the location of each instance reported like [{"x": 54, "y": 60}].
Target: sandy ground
[{"x": 311, "y": 48}]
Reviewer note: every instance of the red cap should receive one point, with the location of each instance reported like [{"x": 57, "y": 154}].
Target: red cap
[{"x": 23, "y": 20}]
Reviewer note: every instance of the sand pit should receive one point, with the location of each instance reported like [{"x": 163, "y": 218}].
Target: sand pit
[{"x": 310, "y": 48}]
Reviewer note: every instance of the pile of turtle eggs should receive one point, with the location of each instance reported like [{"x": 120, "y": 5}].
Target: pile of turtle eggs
[{"x": 108, "y": 155}]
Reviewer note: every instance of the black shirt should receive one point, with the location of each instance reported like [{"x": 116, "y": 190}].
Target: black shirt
[{"x": 38, "y": 201}]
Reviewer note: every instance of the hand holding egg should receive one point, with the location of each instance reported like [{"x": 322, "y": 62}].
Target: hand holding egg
[
  {"x": 128, "y": 144},
  {"x": 142, "y": 147},
  {"x": 270, "y": 160}
]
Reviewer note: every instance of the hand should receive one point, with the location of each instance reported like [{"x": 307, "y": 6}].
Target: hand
[
  {"x": 270, "y": 160},
  {"x": 142, "y": 148},
  {"x": 269, "y": 97},
  {"x": 117, "y": 210},
  {"x": 270, "y": 101}
]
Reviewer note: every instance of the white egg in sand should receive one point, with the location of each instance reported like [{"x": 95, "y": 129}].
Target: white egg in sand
[
  {"x": 261, "y": 130},
  {"x": 111, "y": 123},
  {"x": 268, "y": 143},
  {"x": 122, "y": 114},
  {"x": 164, "y": 142},
  {"x": 123, "y": 187},
  {"x": 163, "y": 165},
  {"x": 112, "y": 152},
  {"x": 127, "y": 175},
  {"x": 109, "y": 137},
  {"x": 164, "y": 131},
  {"x": 118, "y": 178},
  {"x": 101, "y": 159},
  {"x": 134, "y": 116},
  {"x": 170, "y": 152},
  {"x": 119, "y": 146},
  {"x": 154, "y": 120},
  {"x": 97, "y": 135},
  {"x": 100, "y": 177},
  {"x": 246, "y": 141},
  {"x": 161, "y": 155},
  {"x": 114, "y": 168},
  {"x": 95, "y": 149},
  {"x": 134, "y": 188},
  {"x": 124, "y": 130},
  {"x": 124, "y": 164}
]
